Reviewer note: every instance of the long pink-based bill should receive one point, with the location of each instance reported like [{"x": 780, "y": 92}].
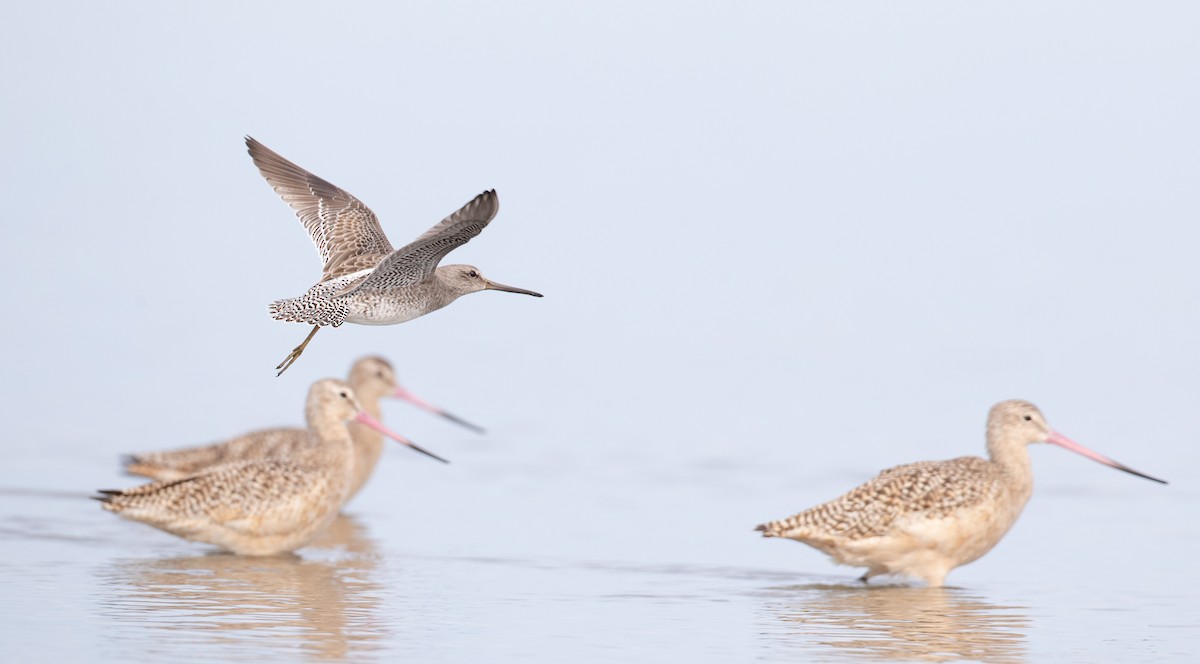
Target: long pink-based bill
[
  {"x": 401, "y": 393},
  {"x": 1062, "y": 441},
  {"x": 365, "y": 418}
]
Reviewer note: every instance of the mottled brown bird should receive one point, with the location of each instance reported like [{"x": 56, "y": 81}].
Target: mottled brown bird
[
  {"x": 924, "y": 519},
  {"x": 264, "y": 506},
  {"x": 363, "y": 279},
  {"x": 371, "y": 378}
]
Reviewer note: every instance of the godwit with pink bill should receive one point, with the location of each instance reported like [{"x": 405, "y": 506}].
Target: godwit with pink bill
[
  {"x": 363, "y": 279},
  {"x": 264, "y": 506},
  {"x": 924, "y": 519},
  {"x": 371, "y": 378}
]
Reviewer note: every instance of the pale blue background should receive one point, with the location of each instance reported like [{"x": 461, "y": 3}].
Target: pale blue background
[{"x": 783, "y": 245}]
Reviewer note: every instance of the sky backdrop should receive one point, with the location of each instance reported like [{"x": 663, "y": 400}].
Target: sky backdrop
[{"x": 823, "y": 237}]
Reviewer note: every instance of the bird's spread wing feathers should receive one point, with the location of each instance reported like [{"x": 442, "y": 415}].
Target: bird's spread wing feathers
[
  {"x": 345, "y": 231},
  {"x": 416, "y": 261}
]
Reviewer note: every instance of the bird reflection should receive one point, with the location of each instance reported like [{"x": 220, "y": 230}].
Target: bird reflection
[
  {"x": 235, "y": 607},
  {"x": 895, "y": 623}
]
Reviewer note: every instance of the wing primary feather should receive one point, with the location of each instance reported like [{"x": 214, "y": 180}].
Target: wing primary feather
[{"x": 343, "y": 229}]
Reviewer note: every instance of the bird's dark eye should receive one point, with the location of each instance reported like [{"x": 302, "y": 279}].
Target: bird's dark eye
[
  {"x": 472, "y": 273},
  {"x": 1028, "y": 418},
  {"x": 344, "y": 395}
]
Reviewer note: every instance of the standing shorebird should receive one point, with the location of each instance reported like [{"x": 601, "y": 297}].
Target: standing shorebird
[
  {"x": 371, "y": 378},
  {"x": 264, "y": 506},
  {"x": 364, "y": 280},
  {"x": 924, "y": 519}
]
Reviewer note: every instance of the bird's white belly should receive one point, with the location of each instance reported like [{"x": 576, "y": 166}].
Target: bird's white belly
[
  {"x": 928, "y": 548},
  {"x": 383, "y": 311}
]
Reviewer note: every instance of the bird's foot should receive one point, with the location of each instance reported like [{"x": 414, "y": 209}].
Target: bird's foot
[
  {"x": 289, "y": 360},
  {"x": 295, "y": 354}
]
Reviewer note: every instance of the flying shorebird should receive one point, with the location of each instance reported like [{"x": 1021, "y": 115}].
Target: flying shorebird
[
  {"x": 364, "y": 280},
  {"x": 371, "y": 378},
  {"x": 266, "y": 506},
  {"x": 924, "y": 519}
]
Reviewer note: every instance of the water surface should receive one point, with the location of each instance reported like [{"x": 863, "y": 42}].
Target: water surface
[{"x": 488, "y": 560}]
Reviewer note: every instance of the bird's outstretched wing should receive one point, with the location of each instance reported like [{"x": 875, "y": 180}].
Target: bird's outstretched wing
[
  {"x": 416, "y": 261},
  {"x": 346, "y": 233}
]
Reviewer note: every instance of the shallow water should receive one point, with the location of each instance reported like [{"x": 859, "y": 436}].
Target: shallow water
[
  {"x": 783, "y": 245},
  {"x": 502, "y": 558}
]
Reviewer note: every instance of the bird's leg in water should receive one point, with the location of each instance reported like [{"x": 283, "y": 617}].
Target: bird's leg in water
[
  {"x": 871, "y": 571},
  {"x": 295, "y": 354}
]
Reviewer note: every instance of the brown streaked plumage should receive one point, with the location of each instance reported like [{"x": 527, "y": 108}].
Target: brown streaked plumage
[
  {"x": 363, "y": 279},
  {"x": 924, "y": 519},
  {"x": 180, "y": 463},
  {"x": 371, "y": 378},
  {"x": 263, "y": 506}
]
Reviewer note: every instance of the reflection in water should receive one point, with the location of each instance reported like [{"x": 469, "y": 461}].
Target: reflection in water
[
  {"x": 234, "y": 607},
  {"x": 894, "y": 623}
]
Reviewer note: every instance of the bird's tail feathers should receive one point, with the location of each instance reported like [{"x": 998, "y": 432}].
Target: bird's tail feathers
[
  {"x": 311, "y": 308},
  {"x": 780, "y": 528}
]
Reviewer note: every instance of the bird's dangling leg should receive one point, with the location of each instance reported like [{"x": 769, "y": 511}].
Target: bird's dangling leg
[{"x": 295, "y": 354}]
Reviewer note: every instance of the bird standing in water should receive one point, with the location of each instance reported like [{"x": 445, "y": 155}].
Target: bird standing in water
[
  {"x": 371, "y": 378},
  {"x": 363, "y": 279},
  {"x": 924, "y": 519},
  {"x": 265, "y": 506}
]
